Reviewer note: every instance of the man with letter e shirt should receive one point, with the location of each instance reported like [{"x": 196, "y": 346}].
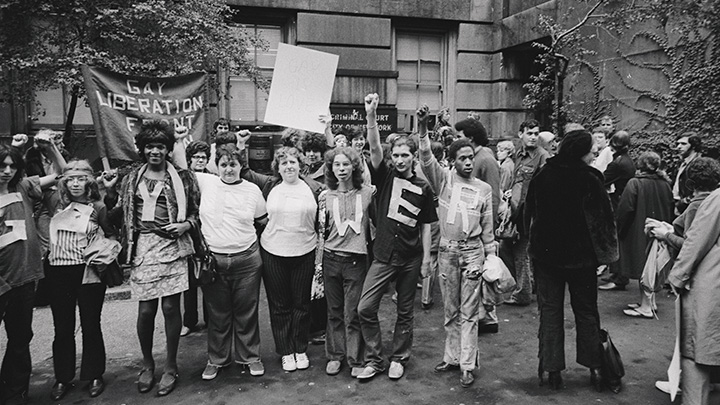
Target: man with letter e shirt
[{"x": 405, "y": 210}]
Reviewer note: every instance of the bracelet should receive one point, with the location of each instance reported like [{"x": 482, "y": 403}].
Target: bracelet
[{"x": 373, "y": 126}]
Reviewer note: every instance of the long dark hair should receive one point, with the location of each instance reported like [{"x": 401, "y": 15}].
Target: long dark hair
[{"x": 17, "y": 158}]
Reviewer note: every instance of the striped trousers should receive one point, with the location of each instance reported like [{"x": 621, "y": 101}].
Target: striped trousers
[{"x": 287, "y": 283}]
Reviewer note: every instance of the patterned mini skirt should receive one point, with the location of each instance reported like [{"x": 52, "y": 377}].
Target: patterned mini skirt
[{"x": 157, "y": 270}]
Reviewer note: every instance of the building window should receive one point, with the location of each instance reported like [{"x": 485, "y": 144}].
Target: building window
[
  {"x": 420, "y": 60},
  {"x": 248, "y": 103},
  {"x": 52, "y": 106}
]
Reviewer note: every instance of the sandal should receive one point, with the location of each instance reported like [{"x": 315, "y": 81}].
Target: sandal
[
  {"x": 146, "y": 380},
  {"x": 167, "y": 384},
  {"x": 637, "y": 314}
]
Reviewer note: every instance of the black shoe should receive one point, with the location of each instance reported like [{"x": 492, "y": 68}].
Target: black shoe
[
  {"x": 59, "y": 390},
  {"x": 146, "y": 380},
  {"x": 596, "y": 379},
  {"x": 96, "y": 387},
  {"x": 488, "y": 328},
  {"x": 167, "y": 384},
  {"x": 443, "y": 367},
  {"x": 614, "y": 385},
  {"x": 555, "y": 380},
  {"x": 467, "y": 378}
]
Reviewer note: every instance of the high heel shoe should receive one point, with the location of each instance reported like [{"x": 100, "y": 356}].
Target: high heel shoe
[
  {"x": 555, "y": 380},
  {"x": 596, "y": 379}
]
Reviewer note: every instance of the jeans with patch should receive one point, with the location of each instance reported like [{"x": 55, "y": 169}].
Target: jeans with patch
[{"x": 461, "y": 265}]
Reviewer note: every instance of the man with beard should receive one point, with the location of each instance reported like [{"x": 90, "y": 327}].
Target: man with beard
[{"x": 688, "y": 146}]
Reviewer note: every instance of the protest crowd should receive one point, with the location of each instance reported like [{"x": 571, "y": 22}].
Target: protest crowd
[{"x": 342, "y": 219}]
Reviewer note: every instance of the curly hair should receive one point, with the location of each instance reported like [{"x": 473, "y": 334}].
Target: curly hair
[
  {"x": 17, "y": 158},
  {"x": 649, "y": 162},
  {"x": 704, "y": 174},
  {"x": 283, "y": 153},
  {"x": 314, "y": 142},
  {"x": 357, "y": 167},
  {"x": 457, "y": 145},
  {"x": 509, "y": 146},
  {"x": 354, "y": 131},
  {"x": 224, "y": 138},
  {"x": 287, "y": 135},
  {"x": 92, "y": 190},
  {"x": 195, "y": 147},
  {"x": 155, "y": 131},
  {"x": 474, "y": 130}
]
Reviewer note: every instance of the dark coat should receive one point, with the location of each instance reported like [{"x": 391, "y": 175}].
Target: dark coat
[
  {"x": 570, "y": 216},
  {"x": 617, "y": 174},
  {"x": 646, "y": 196}
]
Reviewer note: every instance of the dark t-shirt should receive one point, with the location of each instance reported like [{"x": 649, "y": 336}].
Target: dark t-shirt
[
  {"x": 402, "y": 206},
  {"x": 20, "y": 260}
]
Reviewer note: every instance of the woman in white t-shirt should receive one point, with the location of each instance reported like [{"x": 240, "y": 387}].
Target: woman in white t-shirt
[
  {"x": 288, "y": 252},
  {"x": 229, "y": 210}
]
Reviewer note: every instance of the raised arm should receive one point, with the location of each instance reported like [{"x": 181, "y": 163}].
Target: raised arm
[
  {"x": 178, "y": 153},
  {"x": 48, "y": 148},
  {"x": 329, "y": 136},
  {"x": 373, "y": 135},
  {"x": 428, "y": 163}
]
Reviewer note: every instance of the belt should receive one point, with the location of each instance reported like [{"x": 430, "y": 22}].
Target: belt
[{"x": 343, "y": 256}]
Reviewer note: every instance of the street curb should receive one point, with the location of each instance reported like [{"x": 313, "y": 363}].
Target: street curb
[{"x": 119, "y": 293}]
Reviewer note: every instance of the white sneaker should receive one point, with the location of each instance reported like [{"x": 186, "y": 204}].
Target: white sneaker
[
  {"x": 288, "y": 363},
  {"x": 184, "y": 331},
  {"x": 396, "y": 370},
  {"x": 302, "y": 361},
  {"x": 211, "y": 371},
  {"x": 367, "y": 373}
]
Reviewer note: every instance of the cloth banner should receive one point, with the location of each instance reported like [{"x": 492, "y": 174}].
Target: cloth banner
[{"x": 120, "y": 103}]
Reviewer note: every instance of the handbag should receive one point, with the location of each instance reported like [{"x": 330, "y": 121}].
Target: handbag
[
  {"x": 611, "y": 364},
  {"x": 101, "y": 255},
  {"x": 202, "y": 262},
  {"x": 506, "y": 229}
]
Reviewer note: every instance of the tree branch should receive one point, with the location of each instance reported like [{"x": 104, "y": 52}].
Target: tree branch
[{"x": 578, "y": 25}]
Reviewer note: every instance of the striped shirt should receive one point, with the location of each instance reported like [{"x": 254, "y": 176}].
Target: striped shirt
[{"x": 70, "y": 231}]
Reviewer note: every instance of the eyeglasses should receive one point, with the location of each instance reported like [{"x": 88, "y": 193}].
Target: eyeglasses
[{"x": 199, "y": 157}]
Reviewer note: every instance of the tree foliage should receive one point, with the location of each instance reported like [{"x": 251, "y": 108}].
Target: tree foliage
[
  {"x": 687, "y": 33},
  {"x": 43, "y": 43},
  {"x": 568, "y": 42}
]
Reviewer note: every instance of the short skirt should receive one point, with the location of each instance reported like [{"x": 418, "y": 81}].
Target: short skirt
[{"x": 157, "y": 270}]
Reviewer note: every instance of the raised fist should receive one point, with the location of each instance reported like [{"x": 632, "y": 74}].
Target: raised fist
[
  {"x": 371, "y": 102},
  {"x": 181, "y": 132},
  {"x": 18, "y": 140}
]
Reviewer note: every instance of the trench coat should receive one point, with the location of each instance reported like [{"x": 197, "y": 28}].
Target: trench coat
[
  {"x": 645, "y": 196},
  {"x": 698, "y": 269}
]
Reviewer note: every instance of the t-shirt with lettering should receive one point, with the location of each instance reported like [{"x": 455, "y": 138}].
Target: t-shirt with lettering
[
  {"x": 228, "y": 213},
  {"x": 292, "y": 211},
  {"x": 402, "y": 206},
  {"x": 465, "y": 207},
  {"x": 347, "y": 219},
  {"x": 20, "y": 260}
]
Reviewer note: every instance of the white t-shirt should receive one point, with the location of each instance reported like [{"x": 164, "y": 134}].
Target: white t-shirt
[
  {"x": 227, "y": 213},
  {"x": 292, "y": 210}
]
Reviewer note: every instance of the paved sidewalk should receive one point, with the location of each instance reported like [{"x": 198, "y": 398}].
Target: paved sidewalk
[{"x": 507, "y": 373}]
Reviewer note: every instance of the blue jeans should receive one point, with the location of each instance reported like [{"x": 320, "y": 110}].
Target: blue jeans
[
  {"x": 378, "y": 277},
  {"x": 232, "y": 304},
  {"x": 461, "y": 265},
  {"x": 344, "y": 277}
]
